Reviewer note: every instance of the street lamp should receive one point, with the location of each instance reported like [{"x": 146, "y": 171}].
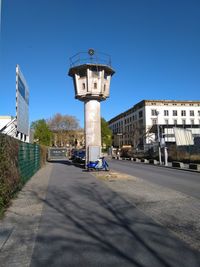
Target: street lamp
[
  {"x": 159, "y": 143},
  {"x": 161, "y": 138},
  {"x": 119, "y": 134}
]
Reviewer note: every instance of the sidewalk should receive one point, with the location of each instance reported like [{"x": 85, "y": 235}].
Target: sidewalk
[
  {"x": 19, "y": 227},
  {"x": 67, "y": 217}
]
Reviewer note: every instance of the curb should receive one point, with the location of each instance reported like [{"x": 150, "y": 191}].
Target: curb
[{"x": 163, "y": 166}]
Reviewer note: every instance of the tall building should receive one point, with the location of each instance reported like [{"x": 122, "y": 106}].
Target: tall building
[
  {"x": 141, "y": 125},
  {"x": 18, "y": 126}
]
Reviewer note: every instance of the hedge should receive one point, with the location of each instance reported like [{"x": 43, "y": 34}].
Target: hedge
[{"x": 18, "y": 162}]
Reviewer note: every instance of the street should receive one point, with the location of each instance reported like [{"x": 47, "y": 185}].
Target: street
[
  {"x": 186, "y": 182},
  {"x": 87, "y": 221},
  {"x": 169, "y": 196}
]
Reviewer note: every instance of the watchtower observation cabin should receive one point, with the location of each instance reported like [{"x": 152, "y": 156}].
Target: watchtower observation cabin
[{"x": 91, "y": 73}]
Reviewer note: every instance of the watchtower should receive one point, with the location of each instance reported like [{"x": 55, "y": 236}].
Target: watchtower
[{"x": 91, "y": 72}]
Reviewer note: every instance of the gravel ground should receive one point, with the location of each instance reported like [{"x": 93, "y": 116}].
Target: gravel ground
[{"x": 174, "y": 210}]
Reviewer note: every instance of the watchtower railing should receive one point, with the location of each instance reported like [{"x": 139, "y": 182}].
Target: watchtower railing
[{"x": 90, "y": 58}]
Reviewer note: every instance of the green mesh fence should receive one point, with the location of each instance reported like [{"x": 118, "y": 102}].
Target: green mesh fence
[{"x": 28, "y": 160}]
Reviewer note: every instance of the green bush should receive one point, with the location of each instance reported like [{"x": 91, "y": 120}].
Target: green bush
[
  {"x": 9, "y": 173},
  {"x": 18, "y": 162}
]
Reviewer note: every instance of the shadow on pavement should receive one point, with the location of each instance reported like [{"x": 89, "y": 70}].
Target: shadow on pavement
[
  {"x": 86, "y": 224},
  {"x": 69, "y": 163},
  {"x": 64, "y": 161}
]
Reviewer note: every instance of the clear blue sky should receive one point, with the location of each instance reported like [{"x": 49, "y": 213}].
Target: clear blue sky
[{"x": 154, "y": 45}]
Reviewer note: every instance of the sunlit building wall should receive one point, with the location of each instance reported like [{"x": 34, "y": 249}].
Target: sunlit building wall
[{"x": 138, "y": 126}]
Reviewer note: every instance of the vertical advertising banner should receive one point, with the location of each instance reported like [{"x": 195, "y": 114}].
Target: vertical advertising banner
[{"x": 22, "y": 103}]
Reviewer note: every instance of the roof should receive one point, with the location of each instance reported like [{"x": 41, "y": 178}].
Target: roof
[
  {"x": 6, "y": 117},
  {"x": 76, "y": 69}
]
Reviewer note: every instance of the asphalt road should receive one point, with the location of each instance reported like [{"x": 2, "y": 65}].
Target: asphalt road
[
  {"x": 85, "y": 223},
  {"x": 186, "y": 182},
  {"x": 67, "y": 217}
]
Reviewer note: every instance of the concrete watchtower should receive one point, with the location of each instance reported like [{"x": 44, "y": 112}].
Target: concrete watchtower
[{"x": 91, "y": 73}]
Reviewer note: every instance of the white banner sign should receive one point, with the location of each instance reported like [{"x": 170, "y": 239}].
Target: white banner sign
[
  {"x": 183, "y": 137},
  {"x": 22, "y": 103}
]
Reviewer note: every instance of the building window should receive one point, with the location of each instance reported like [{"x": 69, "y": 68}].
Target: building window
[
  {"x": 140, "y": 114},
  {"x": 183, "y": 113},
  {"x": 198, "y": 112},
  {"x": 95, "y": 85},
  {"x": 183, "y": 122},
  {"x": 95, "y": 74},
  {"x": 83, "y": 86},
  {"x": 175, "y": 122},
  {"x": 104, "y": 87},
  {"x": 166, "y": 122},
  {"x": 140, "y": 122},
  {"x": 153, "y": 112},
  {"x": 191, "y": 112},
  {"x": 154, "y": 121},
  {"x": 166, "y": 112},
  {"x": 175, "y": 113},
  {"x": 192, "y": 122}
]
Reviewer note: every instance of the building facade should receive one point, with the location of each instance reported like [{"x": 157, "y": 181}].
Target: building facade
[
  {"x": 141, "y": 125},
  {"x": 8, "y": 125}
]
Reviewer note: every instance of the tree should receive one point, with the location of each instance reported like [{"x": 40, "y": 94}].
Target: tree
[
  {"x": 65, "y": 129},
  {"x": 42, "y": 132},
  {"x": 106, "y": 134},
  {"x": 63, "y": 123}
]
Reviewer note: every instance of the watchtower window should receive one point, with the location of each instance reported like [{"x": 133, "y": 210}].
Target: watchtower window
[
  {"x": 83, "y": 86},
  {"x": 95, "y": 74},
  {"x": 104, "y": 87},
  {"x": 95, "y": 85}
]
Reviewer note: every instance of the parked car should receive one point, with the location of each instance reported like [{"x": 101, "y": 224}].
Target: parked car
[{"x": 78, "y": 156}]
